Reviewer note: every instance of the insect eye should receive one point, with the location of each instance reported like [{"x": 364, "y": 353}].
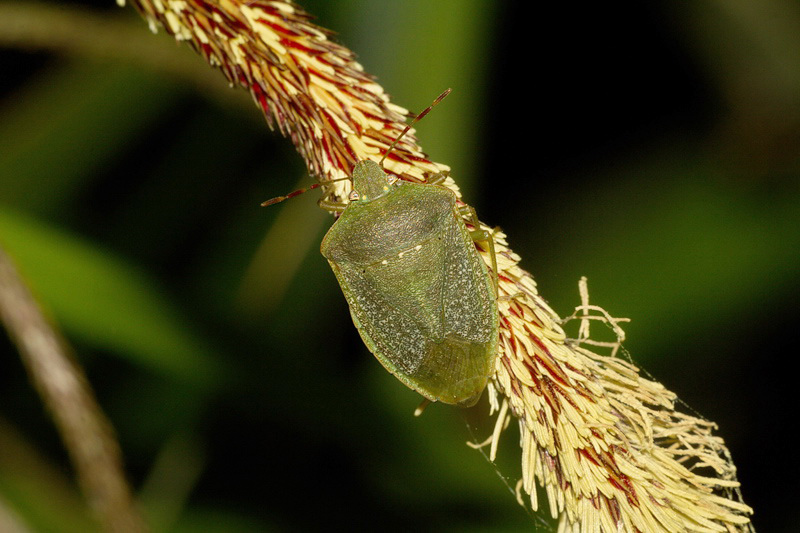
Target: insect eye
[{"x": 353, "y": 196}]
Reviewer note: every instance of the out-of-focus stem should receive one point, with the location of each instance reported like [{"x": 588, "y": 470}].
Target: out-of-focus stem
[{"x": 65, "y": 391}]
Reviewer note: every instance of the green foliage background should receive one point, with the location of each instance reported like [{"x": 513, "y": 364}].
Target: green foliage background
[{"x": 654, "y": 150}]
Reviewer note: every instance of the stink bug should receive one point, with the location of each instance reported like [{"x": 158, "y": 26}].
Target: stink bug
[{"x": 419, "y": 292}]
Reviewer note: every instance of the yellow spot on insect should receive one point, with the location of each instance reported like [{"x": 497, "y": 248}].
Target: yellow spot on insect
[{"x": 384, "y": 262}]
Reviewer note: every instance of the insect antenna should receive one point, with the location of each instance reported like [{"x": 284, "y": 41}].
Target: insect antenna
[
  {"x": 279, "y": 199},
  {"x": 416, "y": 119}
]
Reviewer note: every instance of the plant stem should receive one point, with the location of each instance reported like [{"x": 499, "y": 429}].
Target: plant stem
[{"x": 65, "y": 391}]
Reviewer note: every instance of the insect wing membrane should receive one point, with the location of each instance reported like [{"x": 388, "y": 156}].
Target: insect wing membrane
[
  {"x": 418, "y": 291},
  {"x": 470, "y": 314}
]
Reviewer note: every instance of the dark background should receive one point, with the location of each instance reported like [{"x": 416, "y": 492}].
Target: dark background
[{"x": 652, "y": 147}]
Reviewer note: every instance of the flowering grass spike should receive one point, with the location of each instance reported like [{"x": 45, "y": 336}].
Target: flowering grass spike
[{"x": 609, "y": 446}]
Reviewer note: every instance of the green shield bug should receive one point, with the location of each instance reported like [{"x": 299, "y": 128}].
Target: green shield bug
[{"x": 419, "y": 292}]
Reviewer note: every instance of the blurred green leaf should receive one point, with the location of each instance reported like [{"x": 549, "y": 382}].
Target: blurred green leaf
[
  {"x": 105, "y": 302},
  {"x": 690, "y": 246},
  {"x": 67, "y": 123}
]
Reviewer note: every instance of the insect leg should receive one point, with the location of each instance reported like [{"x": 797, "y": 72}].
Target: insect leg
[
  {"x": 437, "y": 179},
  {"x": 331, "y": 205},
  {"x": 479, "y": 234},
  {"x": 421, "y": 407}
]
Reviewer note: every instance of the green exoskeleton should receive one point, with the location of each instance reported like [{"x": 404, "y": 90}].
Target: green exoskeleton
[{"x": 419, "y": 292}]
